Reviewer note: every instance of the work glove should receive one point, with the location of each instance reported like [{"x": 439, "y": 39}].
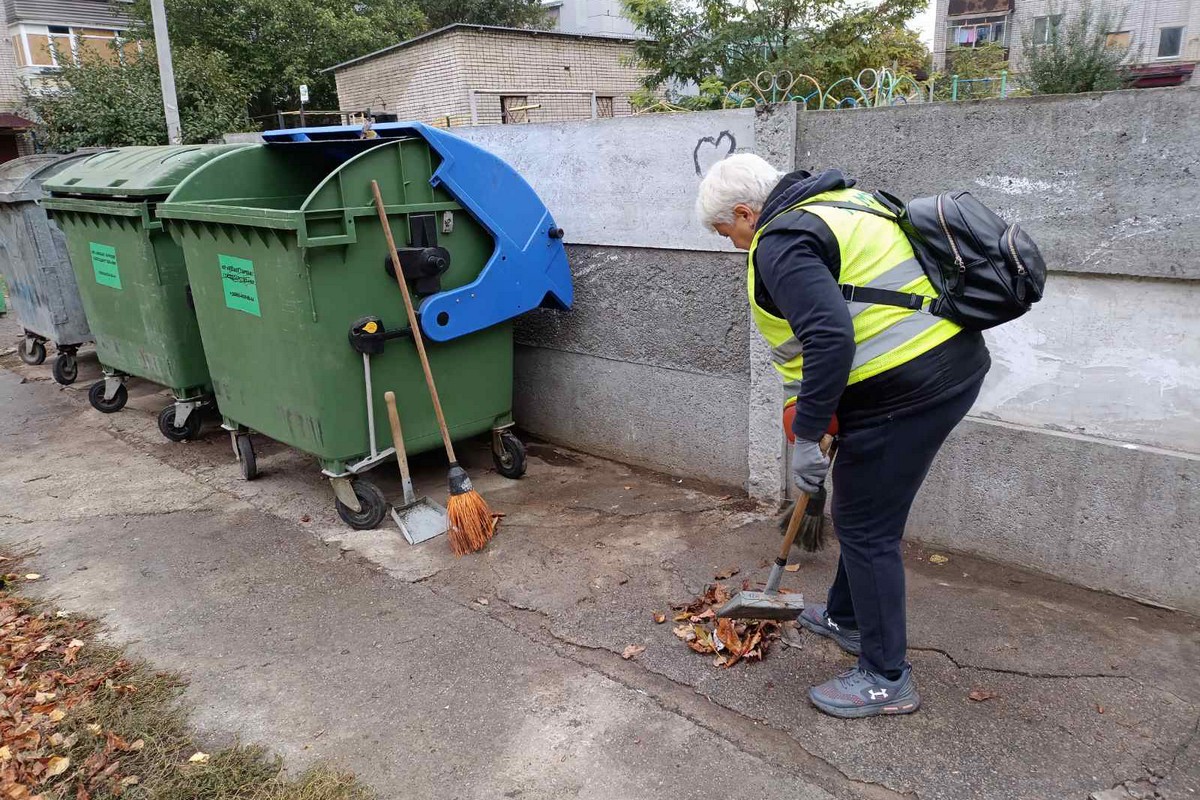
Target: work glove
[{"x": 809, "y": 465}]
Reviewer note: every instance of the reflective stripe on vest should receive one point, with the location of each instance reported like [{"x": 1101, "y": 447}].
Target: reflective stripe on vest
[{"x": 874, "y": 253}]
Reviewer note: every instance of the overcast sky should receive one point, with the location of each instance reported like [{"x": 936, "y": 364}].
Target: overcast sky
[{"x": 923, "y": 22}]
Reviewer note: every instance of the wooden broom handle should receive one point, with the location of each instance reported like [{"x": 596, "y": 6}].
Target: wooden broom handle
[
  {"x": 413, "y": 324},
  {"x": 801, "y": 505}
]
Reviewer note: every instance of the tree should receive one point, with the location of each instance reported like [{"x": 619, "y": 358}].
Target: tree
[
  {"x": 274, "y": 46},
  {"x": 1076, "y": 55},
  {"x": 505, "y": 13},
  {"x": 732, "y": 41},
  {"x": 978, "y": 70},
  {"x": 103, "y": 103}
]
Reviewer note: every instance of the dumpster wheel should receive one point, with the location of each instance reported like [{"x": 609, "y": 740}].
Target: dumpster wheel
[
  {"x": 96, "y": 398},
  {"x": 246, "y": 457},
  {"x": 509, "y": 459},
  {"x": 65, "y": 369},
  {"x": 31, "y": 351},
  {"x": 374, "y": 507},
  {"x": 180, "y": 433}
]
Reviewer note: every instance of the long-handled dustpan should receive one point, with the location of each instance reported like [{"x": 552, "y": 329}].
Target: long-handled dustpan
[
  {"x": 420, "y": 518},
  {"x": 772, "y": 603}
]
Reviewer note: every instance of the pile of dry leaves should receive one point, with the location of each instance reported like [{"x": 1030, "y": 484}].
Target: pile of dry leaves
[
  {"x": 729, "y": 641},
  {"x": 42, "y": 683}
]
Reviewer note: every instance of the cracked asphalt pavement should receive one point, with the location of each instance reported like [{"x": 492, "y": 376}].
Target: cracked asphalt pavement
[{"x": 499, "y": 675}]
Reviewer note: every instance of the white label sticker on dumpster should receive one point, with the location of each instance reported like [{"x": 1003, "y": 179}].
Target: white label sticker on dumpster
[
  {"x": 104, "y": 264},
  {"x": 241, "y": 290}
]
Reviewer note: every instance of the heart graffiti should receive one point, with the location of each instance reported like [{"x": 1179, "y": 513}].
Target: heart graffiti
[{"x": 715, "y": 142}]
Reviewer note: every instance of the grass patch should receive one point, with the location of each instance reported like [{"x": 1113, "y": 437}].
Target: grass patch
[{"x": 82, "y": 720}]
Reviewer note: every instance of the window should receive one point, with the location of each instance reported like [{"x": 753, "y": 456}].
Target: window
[
  {"x": 514, "y": 109},
  {"x": 1170, "y": 42},
  {"x": 1120, "y": 40},
  {"x": 604, "y": 107},
  {"x": 1045, "y": 28},
  {"x": 977, "y": 31}
]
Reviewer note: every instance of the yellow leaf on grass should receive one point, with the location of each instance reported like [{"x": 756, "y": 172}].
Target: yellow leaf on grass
[
  {"x": 938, "y": 558},
  {"x": 56, "y": 766},
  {"x": 132, "y": 780},
  {"x": 137, "y": 745},
  {"x": 5, "y": 753},
  {"x": 198, "y": 758},
  {"x": 94, "y": 728},
  {"x": 57, "y": 715}
]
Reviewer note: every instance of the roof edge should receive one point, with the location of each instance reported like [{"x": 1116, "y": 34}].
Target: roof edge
[{"x": 493, "y": 28}]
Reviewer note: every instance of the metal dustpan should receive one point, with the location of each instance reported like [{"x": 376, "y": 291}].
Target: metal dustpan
[{"x": 420, "y": 519}]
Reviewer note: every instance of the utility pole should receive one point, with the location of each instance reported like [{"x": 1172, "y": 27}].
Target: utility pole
[{"x": 166, "y": 71}]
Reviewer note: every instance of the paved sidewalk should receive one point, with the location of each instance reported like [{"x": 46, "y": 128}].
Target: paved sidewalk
[{"x": 323, "y": 643}]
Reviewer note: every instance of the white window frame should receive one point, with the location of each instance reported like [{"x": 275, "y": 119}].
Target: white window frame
[
  {"x": 1178, "y": 53},
  {"x": 1052, "y": 23},
  {"x": 24, "y": 29}
]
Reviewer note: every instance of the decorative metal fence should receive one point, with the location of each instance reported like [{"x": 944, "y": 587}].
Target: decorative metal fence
[{"x": 871, "y": 88}]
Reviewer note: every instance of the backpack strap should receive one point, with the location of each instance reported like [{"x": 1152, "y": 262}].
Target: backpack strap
[{"x": 852, "y": 293}]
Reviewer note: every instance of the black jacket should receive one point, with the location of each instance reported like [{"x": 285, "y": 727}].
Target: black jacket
[{"x": 797, "y": 275}]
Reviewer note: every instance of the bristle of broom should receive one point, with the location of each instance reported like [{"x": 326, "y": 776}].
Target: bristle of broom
[
  {"x": 811, "y": 536},
  {"x": 471, "y": 522}
]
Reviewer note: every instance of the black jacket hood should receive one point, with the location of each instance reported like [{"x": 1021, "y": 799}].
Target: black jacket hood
[{"x": 798, "y": 185}]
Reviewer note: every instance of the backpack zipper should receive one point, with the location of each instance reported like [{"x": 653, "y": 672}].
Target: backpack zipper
[
  {"x": 958, "y": 259},
  {"x": 1012, "y": 249}
]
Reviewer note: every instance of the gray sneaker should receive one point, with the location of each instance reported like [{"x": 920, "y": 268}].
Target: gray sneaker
[
  {"x": 862, "y": 693},
  {"x": 817, "y": 620}
]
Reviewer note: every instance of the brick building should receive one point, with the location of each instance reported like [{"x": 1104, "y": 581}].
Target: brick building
[
  {"x": 1164, "y": 34},
  {"x": 470, "y": 74}
]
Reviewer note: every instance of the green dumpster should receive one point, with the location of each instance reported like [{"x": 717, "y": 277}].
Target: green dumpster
[
  {"x": 302, "y": 319},
  {"x": 132, "y": 278}
]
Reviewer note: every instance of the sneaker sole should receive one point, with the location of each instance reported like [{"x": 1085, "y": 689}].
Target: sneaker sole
[
  {"x": 821, "y": 630},
  {"x": 907, "y": 706}
]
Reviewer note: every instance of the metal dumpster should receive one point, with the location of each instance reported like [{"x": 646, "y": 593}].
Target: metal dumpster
[
  {"x": 36, "y": 267},
  {"x": 303, "y": 322},
  {"x": 132, "y": 278}
]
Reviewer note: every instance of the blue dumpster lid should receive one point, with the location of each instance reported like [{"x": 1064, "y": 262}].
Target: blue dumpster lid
[
  {"x": 528, "y": 267},
  {"x": 21, "y": 179},
  {"x": 135, "y": 172}
]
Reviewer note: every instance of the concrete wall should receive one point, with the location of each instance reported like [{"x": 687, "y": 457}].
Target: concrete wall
[
  {"x": 1081, "y": 455},
  {"x": 652, "y": 365}
]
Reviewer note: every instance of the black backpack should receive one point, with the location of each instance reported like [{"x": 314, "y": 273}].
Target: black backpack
[{"x": 986, "y": 272}]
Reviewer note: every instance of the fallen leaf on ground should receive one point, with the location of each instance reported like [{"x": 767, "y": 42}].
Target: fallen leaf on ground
[
  {"x": 57, "y": 715},
  {"x": 132, "y": 780},
  {"x": 5, "y": 753},
  {"x": 199, "y": 758},
  {"x": 660, "y": 617},
  {"x": 979, "y": 695},
  {"x": 72, "y": 651},
  {"x": 938, "y": 558},
  {"x": 483, "y": 601},
  {"x": 94, "y": 728},
  {"x": 1099, "y": 709},
  {"x": 632, "y": 651},
  {"x": 729, "y": 641},
  {"x": 32, "y": 576},
  {"x": 728, "y": 572},
  {"x": 56, "y": 766},
  {"x": 792, "y": 568},
  {"x": 306, "y": 518}
]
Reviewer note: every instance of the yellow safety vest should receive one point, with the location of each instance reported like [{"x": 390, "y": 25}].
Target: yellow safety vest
[{"x": 875, "y": 253}]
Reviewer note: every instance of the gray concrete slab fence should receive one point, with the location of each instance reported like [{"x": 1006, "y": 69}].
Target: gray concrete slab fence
[{"x": 1081, "y": 458}]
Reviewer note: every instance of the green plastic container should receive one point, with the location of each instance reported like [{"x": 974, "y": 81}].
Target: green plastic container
[
  {"x": 131, "y": 275},
  {"x": 286, "y": 256}
]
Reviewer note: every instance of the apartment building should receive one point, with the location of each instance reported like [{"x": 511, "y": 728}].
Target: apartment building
[
  {"x": 480, "y": 75},
  {"x": 589, "y": 16},
  {"x": 36, "y": 35},
  {"x": 1164, "y": 34}
]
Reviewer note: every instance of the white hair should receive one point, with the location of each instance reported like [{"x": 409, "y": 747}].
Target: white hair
[{"x": 741, "y": 178}]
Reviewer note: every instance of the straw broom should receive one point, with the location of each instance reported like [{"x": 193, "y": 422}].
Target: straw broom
[{"x": 471, "y": 522}]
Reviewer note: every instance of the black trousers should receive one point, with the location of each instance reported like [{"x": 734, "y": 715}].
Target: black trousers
[{"x": 876, "y": 475}]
